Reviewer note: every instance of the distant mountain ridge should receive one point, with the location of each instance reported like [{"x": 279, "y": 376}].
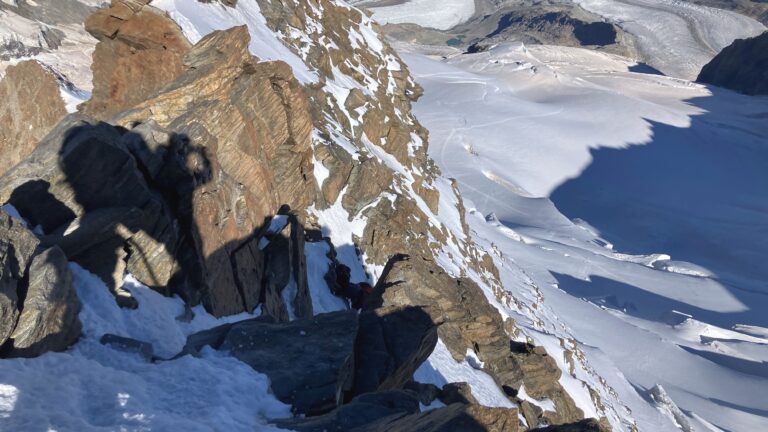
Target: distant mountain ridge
[{"x": 741, "y": 66}]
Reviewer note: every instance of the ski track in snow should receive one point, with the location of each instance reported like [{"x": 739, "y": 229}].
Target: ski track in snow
[{"x": 520, "y": 127}]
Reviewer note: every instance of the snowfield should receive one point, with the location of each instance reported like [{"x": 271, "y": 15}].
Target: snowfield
[
  {"x": 673, "y": 36},
  {"x": 568, "y": 152},
  {"x": 437, "y": 14},
  {"x": 93, "y": 387}
]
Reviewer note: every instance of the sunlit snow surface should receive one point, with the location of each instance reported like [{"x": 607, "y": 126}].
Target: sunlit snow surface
[{"x": 670, "y": 172}]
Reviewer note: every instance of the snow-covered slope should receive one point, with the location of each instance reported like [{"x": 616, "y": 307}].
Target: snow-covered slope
[
  {"x": 94, "y": 387},
  {"x": 437, "y": 14},
  {"x": 676, "y": 37},
  {"x": 58, "y": 41},
  {"x": 573, "y": 153}
]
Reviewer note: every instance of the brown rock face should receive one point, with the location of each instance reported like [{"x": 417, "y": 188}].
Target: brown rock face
[
  {"x": 251, "y": 125},
  {"x": 472, "y": 323},
  {"x": 31, "y": 106},
  {"x": 139, "y": 51},
  {"x": 400, "y": 199},
  {"x": 81, "y": 185},
  {"x": 253, "y": 120},
  {"x": 178, "y": 198}
]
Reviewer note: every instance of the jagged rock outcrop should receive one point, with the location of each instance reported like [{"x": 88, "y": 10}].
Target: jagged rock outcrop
[
  {"x": 38, "y": 304},
  {"x": 82, "y": 187},
  {"x": 397, "y": 410},
  {"x": 250, "y": 123},
  {"x": 140, "y": 50},
  {"x": 317, "y": 364},
  {"x": 375, "y": 116},
  {"x": 286, "y": 289},
  {"x": 17, "y": 244},
  {"x": 391, "y": 344},
  {"x": 179, "y": 199},
  {"x": 472, "y": 323},
  {"x": 31, "y": 107},
  {"x": 387, "y": 181},
  {"x": 741, "y": 66},
  {"x": 49, "y": 318},
  {"x": 309, "y": 362}
]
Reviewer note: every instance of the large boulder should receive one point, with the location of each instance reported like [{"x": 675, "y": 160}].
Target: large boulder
[
  {"x": 85, "y": 191},
  {"x": 31, "y": 106},
  {"x": 741, "y": 66},
  {"x": 140, "y": 50},
  {"x": 472, "y": 323},
  {"x": 48, "y": 321},
  {"x": 309, "y": 362},
  {"x": 391, "y": 344},
  {"x": 17, "y": 246},
  {"x": 38, "y": 304}
]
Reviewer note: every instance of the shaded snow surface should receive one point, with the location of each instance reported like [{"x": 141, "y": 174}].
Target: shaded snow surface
[{"x": 93, "y": 387}]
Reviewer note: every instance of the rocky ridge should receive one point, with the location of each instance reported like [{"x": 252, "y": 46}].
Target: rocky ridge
[
  {"x": 551, "y": 23},
  {"x": 38, "y": 304},
  {"x": 206, "y": 178},
  {"x": 741, "y": 66},
  {"x": 31, "y": 107}
]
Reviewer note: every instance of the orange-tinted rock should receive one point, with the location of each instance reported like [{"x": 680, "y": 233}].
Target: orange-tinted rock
[
  {"x": 140, "y": 50},
  {"x": 31, "y": 106},
  {"x": 252, "y": 122}
]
